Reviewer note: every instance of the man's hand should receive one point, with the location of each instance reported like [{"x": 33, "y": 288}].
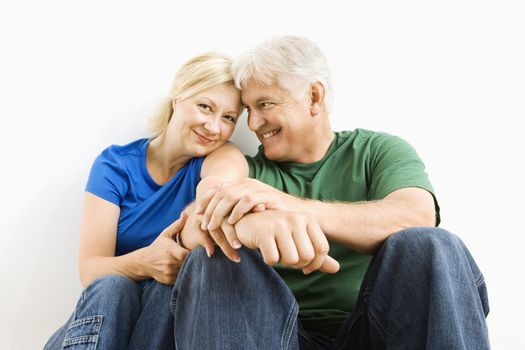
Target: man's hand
[
  {"x": 288, "y": 238},
  {"x": 163, "y": 258},
  {"x": 235, "y": 199},
  {"x": 192, "y": 236}
]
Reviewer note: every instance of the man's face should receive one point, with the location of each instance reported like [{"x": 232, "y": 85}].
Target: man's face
[{"x": 282, "y": 124}]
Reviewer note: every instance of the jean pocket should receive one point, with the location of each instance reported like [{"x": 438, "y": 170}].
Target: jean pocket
[{"x": 83, "y": 333}]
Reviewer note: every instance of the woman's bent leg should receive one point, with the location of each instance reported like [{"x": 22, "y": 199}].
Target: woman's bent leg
[
  {"x": 104, "y": 316},
  {"x": 154, "y": 327}
]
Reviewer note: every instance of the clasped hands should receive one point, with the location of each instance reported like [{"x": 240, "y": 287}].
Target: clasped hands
[{"x": 250, "y": 213}]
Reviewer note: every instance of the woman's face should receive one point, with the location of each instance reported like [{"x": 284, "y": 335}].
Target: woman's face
[{"x": 207, "y": 120}]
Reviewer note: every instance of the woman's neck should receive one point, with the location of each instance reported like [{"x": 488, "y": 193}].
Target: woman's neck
[{"x": 164, "y": 159}]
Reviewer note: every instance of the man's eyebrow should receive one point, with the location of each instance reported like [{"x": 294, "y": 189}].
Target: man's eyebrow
[{"x": 259, "y": 100}]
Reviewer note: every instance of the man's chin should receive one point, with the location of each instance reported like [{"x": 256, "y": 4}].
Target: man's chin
[{"x": 275, "y": 156}]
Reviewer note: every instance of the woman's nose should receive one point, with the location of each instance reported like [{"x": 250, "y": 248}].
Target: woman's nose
[{"x": 213, "y": 125}]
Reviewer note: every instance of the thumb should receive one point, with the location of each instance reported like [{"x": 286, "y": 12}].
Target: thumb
[
  {"x": 329, "y": 265},
  {"x": 176, "y": 226}
]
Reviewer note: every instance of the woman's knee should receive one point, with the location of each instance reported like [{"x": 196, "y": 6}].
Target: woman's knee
[{"x": 114, "y": 286}]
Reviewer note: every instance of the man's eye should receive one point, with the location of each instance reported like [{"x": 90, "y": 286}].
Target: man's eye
[
  {"x": 230, "y": 118},
  {"x": 205, "y": 107},
  {"x": 266, "y": 104}
]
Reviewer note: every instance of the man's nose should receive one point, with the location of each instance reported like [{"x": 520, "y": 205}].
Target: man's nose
[{"x": 255, "y": 120}]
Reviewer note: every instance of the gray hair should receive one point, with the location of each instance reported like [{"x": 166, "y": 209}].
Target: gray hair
[{"x": 291, "y": 62}]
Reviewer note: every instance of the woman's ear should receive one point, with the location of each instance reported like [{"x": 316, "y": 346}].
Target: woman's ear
[
  {"x": 317, "y": 96},
  {"x": 173, "y": 103}
]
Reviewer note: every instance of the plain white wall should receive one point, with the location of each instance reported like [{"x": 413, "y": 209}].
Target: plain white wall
[{"x": 76, "y": 76}]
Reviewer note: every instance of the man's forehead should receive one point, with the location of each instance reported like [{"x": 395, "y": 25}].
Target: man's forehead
[{"x": 254, "y": 91}]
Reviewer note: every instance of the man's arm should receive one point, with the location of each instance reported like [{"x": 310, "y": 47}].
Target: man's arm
[{"x": 362, "y": 226}]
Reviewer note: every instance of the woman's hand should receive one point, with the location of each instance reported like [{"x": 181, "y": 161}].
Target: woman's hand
[{"x": 163, "y": 258}]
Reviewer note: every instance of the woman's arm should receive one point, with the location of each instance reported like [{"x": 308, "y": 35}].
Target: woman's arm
[
  {"x": 98, "y": 236},
  {"x": 226, "y": 163}
]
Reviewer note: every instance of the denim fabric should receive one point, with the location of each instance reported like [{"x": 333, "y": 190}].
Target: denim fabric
[
  {"x": 220, "y": 304},
  {"x": 114, "y": 312},
  {"x": 422, "y": 290}
]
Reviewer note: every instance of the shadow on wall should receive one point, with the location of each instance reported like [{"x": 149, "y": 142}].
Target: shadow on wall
[{"x": 44, "y": 284}]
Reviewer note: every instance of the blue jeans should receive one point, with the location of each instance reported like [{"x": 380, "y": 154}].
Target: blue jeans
[
  {"x": 422, "y": 290},
  {"x": 114, "y": 312}
]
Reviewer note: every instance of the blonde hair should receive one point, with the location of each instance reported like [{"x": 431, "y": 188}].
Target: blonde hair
[
  {"x": 291, "y": 62},
  {"x": 198, "y": 74}
]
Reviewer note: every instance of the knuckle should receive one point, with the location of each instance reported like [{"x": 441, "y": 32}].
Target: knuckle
[
  {"x": 271, "y": 260},
  {"x": 322, "y": 248},
  {"x": 306, "y": 257}
]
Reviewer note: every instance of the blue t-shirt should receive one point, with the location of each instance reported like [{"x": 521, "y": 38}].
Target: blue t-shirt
[{"x": 120, "y": 176}]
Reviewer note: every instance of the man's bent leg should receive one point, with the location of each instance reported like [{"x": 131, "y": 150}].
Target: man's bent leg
[
  {"x": 220, "y": 304},
  {"x": 422, "y": 290}
]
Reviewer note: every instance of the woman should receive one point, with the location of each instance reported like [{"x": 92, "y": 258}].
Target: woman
[{"x": 128, "y": 256}]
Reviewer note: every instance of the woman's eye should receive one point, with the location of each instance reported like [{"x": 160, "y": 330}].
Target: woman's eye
[{"x": 205, "y": 107}]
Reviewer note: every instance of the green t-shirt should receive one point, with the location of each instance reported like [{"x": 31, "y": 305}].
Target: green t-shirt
[{"x": 360, "y": 165}]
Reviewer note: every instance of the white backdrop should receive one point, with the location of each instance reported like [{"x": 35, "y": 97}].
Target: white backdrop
[{"x": 77, "y": 76}]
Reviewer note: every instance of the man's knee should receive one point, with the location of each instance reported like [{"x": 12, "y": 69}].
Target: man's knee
[{"x": 423, "y": 239}]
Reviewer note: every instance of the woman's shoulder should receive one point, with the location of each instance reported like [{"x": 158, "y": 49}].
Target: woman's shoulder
[{"x": 135, "y": 148}]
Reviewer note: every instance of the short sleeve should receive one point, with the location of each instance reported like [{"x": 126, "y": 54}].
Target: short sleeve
[
  {"x": 107, "y": 178},
  {"x": 395, "y": 164}
]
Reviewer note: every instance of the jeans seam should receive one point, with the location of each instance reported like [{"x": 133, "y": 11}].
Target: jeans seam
[
  {"x": 291, "y": 320},
  {"x": 480, "y": 280},
  {"x": 376, "y": 324}
]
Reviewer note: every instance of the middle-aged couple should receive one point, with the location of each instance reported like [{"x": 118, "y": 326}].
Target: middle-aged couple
[{"x": 323, "y": 240}]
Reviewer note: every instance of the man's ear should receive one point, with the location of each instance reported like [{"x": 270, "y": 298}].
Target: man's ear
[{"x": 317, "y": 96}]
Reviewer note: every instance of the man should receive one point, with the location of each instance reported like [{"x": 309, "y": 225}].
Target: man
[{"x": 318, "y": 205}]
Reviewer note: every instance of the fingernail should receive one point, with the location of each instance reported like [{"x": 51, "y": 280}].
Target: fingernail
[
  {"x": 208, "y": 253},
  {"x": 306, "y": 271},
  {"x": 203, "y": 226},
  {"x": 237, "y": 260},
  {"x": 236, "y": 244}
]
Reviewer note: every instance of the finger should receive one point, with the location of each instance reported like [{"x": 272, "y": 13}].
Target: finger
[
  {"x": 222, "y": 242},
  {"x": 304, "y": 248},
  {"x": 231, "y": 235},
  {"x": 329, "y": 265},
  {"x": 246, "y": 204},
  {"x": 221, "y": 210},
  {"x": 287, "y": 250},
  {"x": 258, "y": 208},
  {"x": 269, "y": 250},
  {"x": 319, "y": 244},
  {"x": 210, "y": 208},
  {"x": 208, "y": 244},
  {"x": 205, "y": 199},
  {"x": 176, "y": 226},
  {"x": 178, "y": 252}
]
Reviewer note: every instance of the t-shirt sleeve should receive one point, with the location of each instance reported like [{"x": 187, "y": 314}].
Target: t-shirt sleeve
[
  {"x": 395, "y": 164},
  {"x": 107, "y": 179}
]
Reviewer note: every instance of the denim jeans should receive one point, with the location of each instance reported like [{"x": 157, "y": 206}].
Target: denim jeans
[
  {"x": 114, "y": 312},
  {"x": 422, "y": 290}
]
